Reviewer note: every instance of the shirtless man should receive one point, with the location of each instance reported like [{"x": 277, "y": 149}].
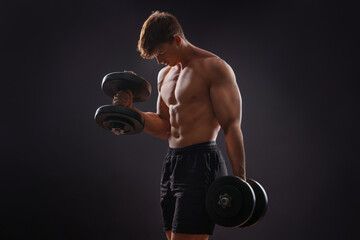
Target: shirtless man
[{"x": 198, "y": 95}]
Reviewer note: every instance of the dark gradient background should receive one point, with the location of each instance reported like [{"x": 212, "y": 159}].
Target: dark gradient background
[{"x": 63, "y": 177}]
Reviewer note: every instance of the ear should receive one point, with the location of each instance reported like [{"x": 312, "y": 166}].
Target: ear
[{"x": 178, "y": 40}]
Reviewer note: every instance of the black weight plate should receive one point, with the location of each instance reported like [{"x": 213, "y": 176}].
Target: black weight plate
[
  {"x": 109, "y": 116},
  {"x": 261, "y": 203},
  {"x": 116, "y": 81},
  {"x": 242, "y": 203},
  {"x": 236, "y": 201}
]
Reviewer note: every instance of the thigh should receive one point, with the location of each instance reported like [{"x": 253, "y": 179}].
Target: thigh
[
  {"x": 167, "y": 200},
  {"x": 190, "y": 216}
]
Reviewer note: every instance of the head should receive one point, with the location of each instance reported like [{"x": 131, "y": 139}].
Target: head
[{"x": 161, "y": 36}]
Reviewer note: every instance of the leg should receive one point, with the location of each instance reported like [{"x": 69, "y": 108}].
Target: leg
[
  {"x": 167, "y": 201},
  {"x": 182, "y": 236},
  {"x": 168, "y": 235},
  {"x": 183, "y": 192}
]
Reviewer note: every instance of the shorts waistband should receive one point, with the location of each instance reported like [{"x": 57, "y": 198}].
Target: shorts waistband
[{"x": 206, "y": 146}]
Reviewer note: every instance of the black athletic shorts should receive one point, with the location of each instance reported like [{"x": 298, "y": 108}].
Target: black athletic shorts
[{"x": 186, "y": 175}]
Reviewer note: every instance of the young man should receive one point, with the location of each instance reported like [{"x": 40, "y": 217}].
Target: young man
[{"x": 198, "y": 95}]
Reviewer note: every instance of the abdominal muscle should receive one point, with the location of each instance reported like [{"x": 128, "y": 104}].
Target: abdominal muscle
[{"x": 191, "y": 124}]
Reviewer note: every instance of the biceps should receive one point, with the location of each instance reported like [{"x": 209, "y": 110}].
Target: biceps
[
  {"x": 226, "y": 102},
  {"x": 162, "y": 109}
]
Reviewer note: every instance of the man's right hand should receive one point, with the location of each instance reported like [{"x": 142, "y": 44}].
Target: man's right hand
[{"x": 124, "y": 98}]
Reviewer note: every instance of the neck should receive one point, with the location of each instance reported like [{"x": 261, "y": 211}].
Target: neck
[{"x": 187, "y": 53}]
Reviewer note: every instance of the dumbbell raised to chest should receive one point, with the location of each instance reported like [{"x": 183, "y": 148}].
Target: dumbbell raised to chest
[
  {"x": 232, "y": 202},
  {"x": 120, "y": 119}
]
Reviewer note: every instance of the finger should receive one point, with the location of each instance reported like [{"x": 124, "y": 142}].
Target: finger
[
  {"x": 124, "y": 100},
  {"x": 123, "y": 94},
  {"x": 119, "y": 93},
  {"x": 130, "y": 93}
]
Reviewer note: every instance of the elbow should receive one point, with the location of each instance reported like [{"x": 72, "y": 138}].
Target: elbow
[
  {"x": 231, "y": 127},
  {"x": 165, "y": 134},
  {"x": 166, "y": 138}
]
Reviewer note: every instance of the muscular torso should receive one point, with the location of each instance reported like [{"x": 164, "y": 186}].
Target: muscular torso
[{"x": 186, "y": 94}]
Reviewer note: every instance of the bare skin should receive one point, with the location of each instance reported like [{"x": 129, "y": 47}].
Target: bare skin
[{"x": 198, "y": 95}]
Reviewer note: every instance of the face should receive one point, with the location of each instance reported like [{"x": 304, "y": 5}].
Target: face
[{"x": 167, "y": 54}]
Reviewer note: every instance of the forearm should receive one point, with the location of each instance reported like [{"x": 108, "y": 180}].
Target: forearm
[
  {"x": 155, "y": 125},
  {"x": 235, "y": 150}
]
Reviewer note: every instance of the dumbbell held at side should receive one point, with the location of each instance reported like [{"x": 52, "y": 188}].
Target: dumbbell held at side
[
  {"x": 232, "y": 202},
  {"x": 122, "y": 87}
]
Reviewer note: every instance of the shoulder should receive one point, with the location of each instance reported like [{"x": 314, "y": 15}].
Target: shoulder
[
  {"x": 162, "y": 73},
  {"x": 217, "y": 70},
  {"x": 161, "y": 76},
  {"x": 212, "y": 63},
  {"x": 217, "y": 66}
]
